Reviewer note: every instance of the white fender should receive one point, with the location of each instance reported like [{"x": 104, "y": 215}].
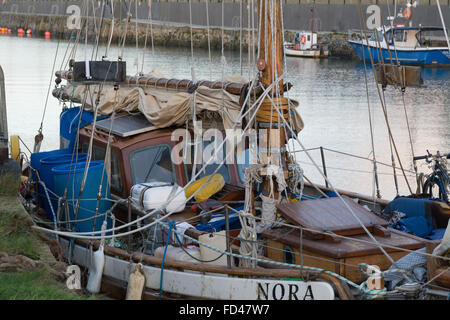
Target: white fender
[
  {"x": 136, "y": 283},
  {"x": 96, "y": 271}
]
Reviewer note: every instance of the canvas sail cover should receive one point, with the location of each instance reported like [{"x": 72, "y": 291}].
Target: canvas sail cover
[{"x": 163, "y": 107}]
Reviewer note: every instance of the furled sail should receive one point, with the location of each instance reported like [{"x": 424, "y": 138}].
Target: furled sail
[{"x": 164, "y": 107}]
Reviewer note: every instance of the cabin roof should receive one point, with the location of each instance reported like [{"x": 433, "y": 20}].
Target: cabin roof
[
  {"x": 121, "y": 141},
  {"x": 126, "y": 125}
]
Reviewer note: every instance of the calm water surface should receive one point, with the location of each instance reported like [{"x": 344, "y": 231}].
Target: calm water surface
[{"x": 331, "y": 93}]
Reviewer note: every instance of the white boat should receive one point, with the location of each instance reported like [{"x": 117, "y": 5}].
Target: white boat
[{"x": 306, "y": 45}]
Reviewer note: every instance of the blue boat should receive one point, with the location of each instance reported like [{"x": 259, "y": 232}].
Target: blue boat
[{"x": 423, "y": 46}]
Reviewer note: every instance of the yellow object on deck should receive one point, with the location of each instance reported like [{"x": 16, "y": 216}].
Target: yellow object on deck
[
  {"x": 15, "y": 148},
  {"x": 214, "y": 185}
]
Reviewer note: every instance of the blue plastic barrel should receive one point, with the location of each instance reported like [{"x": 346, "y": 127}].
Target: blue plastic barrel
[
  {"x": 87, "y": 206},
  {"x": 46, "y": 176},
  {"x": 36, "y": 158},
  {"x": 35, "y": 163}
]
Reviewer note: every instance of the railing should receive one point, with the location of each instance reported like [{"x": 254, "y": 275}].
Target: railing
[{"x": 325, "y": 168}]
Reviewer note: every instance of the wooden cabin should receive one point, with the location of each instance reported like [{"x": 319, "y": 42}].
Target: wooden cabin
[{"x": 326, "y": 249}]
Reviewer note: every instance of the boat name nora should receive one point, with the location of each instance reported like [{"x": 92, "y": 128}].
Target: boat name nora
[{"x": 281, "y": 291}]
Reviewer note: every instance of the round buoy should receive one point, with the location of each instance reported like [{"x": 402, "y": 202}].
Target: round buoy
[
  {"x": 29, "y": 31},
  {"x": 303, "y": 39},
  {"x": 9, "y": 31},
  {"x": 47, "y": 35},
  {"x": 407, "y": 14},
  {"x": 20, "y": 32}
]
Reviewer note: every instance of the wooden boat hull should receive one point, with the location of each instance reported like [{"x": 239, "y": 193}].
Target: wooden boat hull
[
  {"x": 206, "y": 285},
  {"x": 341, "y": 257}
]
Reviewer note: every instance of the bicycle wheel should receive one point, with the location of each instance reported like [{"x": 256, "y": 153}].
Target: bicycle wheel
[{"x": 433, "y": 188}]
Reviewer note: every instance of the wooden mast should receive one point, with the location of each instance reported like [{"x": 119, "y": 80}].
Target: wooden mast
[
  {"x": 270, "y": 65},
  {"x": 273, "y": 48}
]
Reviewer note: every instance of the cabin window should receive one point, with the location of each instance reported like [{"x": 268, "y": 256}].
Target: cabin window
[
  {"x": 152, "y": 164},
  {"x": 309, "y": 38},
  {"x": 98, "y": 153},
  {"x": 432, "y": 38},
  {"x": 378, "y": 36},
  {"x": 400, "y": 36},
  {"x": 210, "y": 168},
  {"x": 288, "y": 255},
  {"x": 116, "y": 173}
]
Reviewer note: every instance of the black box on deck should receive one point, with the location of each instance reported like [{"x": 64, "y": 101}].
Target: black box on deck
[{"x": 99, "y": 71}]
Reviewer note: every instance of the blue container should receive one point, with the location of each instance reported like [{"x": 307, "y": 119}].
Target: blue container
[
  {"x": 87, "y": 208},
  {"x": 36, "y": 158},
  {"x": 35, "y": 163},
  {"x": 46, "y": 176},
  {"x": 69, "y": 122}
]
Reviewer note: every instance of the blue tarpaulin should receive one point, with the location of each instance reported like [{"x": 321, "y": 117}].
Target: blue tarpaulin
[
  {"x": 418, "y": 220},
  {"x": 68, "y": 123}
]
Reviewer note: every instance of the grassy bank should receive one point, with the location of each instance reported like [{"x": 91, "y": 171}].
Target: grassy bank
[
  {"x": 34, "y": 285},
  {"x": 28, "y": 269}
]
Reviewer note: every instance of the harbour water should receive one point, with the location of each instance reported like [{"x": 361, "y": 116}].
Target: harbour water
[{"x": 332, "y": 96}]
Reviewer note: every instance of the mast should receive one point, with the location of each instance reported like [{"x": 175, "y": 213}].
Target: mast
[{"x": 270, "y": 65}]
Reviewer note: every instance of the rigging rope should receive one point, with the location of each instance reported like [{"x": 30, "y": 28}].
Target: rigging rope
[{"x": 381, "y": 102}]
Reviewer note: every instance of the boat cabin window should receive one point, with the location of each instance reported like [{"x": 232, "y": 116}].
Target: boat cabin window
[
  {"x": 432, "y": 38},
  {"x": 378, "y": 35},
  {"x": 288, "y": 255},
  {"x": 152, "y": 164},
  {"x": 400, "y": 36},
  {"x": 98, "y": 153},
  {"x": 388, "y": 36},
  {"x": 309, "y": 38},
  {"x": 211, "y": 167}
]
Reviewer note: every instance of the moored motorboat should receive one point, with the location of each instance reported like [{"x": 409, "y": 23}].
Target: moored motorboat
[{"x": 405, "y": 45}]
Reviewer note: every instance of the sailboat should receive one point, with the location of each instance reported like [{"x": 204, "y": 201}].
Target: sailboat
[{"x": 133, "y": 201}]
